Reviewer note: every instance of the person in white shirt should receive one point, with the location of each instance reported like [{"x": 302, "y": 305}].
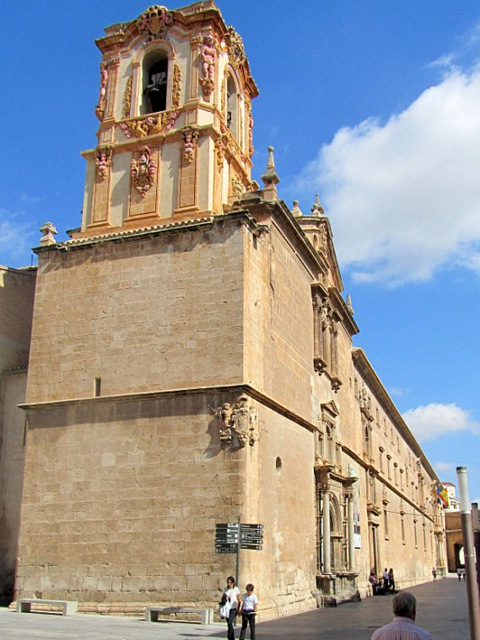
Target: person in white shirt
[
  {"x": 232, "y": 594},
  {"x": 403, "y": 626},
  {"x": 249, "y": 611}
]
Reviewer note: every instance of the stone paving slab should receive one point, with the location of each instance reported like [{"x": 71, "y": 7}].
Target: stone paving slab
[{"x": 442, "y": 610}]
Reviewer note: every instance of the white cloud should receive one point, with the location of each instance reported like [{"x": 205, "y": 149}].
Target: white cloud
[
  {"x": 444, "y": 467},
  {"x": 16, "y": 239},
  {"x": 434, "y": 420},
  {"x": 403, "y": 196}
]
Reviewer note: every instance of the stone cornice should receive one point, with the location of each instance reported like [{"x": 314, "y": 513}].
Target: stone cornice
[
  {"x": 125, "y": 235},
  {"x": 345, "y": 313},
  {"x": 368, "y": 373},
  {"x": 278, "y": 211},
  {"x": 247, "y": 389}
]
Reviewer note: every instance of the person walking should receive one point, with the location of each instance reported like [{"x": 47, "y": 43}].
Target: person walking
[
  {"x": 249, "y": 609},
  {"x": 459, "y": 574},
  {"x": 391, "y": 580},
  {"x": 434, "y": 573},
  {"x": 231, "y": 596},
  {"x": 386, "y": 582},
  {"x": 403, "y": 626}
]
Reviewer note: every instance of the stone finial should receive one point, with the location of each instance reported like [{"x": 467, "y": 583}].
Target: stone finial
[
  {"x": 296, "y": 209},
  {"x": 270, "y": 178},
  {"x": 317, "y": 208},
  {"x": 49, "y": 231},
  {"x": 349, "y": 305}
]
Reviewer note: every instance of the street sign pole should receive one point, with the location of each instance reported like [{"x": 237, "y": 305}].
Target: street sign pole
[
  {"x": 472, "y": 586},
  {"x": 237, "y": 570}
]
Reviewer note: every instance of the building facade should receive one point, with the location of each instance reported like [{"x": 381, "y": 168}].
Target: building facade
[
  {"x": 192, "y": 364},
  {"x": 17, "y": 290}
]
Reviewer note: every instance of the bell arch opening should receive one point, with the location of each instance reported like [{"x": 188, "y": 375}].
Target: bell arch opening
[{"x": 155, "y": 82}]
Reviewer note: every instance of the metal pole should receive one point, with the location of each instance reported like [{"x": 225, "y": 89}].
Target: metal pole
[
  {"x": 476, "y": 537},
  {"x": 471, "y": 577},
  {"x": 237, "y": 570}
]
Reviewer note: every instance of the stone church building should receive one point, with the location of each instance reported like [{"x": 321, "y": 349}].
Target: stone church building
[{"x": 185, "y": 360}]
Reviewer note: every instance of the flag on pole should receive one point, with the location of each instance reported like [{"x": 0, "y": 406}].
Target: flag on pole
[{"x": 442, "y": 496}]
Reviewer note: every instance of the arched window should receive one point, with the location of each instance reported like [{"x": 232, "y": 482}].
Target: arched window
[
  {"x": 155, "y": 82},
  {"x": 232, "y": 106}
]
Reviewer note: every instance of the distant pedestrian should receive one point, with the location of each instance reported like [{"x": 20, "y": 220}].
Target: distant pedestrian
[
  {"x": 249, "y": 608},
  {"x": 231, "y": 596},
  {"x": 459, "y": 574},
  {"x": 386, "y": 581},
  {"x": 372, "y": 578},
  {"x": 391, "y": 580},
  {"x": 464, "y": 573},
  {"x": 403, "y": 626},
  {"x": 434, "y": 573}
]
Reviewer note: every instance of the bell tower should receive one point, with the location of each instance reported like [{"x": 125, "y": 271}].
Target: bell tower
[{"x": 175, "y": 134}]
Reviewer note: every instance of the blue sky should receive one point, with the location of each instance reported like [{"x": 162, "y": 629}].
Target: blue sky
[{"x": 372, "y": 104}]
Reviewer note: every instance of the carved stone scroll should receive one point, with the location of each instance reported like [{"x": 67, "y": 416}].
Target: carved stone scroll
[
  {"x": 149, "y": 125},
  {"x": 103, "y": 160},
  {"x": 127, "y": 97},
  {"x": 176, "y": 87},
  {"x": 190, "y": 140}
]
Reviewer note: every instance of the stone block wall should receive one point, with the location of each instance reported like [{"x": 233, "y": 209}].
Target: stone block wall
[{"x": 171, "y": 306}]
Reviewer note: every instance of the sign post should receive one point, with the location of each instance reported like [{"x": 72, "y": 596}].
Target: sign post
[
  {"x": 233, "y": 536},
  {"x": 472, "y": 586}
]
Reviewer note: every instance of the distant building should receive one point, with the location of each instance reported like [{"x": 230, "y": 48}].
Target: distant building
[
  {"x": 191, "y": 364},
  {"x": 453, "y": 501}
]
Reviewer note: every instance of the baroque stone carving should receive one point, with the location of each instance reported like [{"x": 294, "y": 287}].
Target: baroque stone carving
[
  {"x": 102, "y": 100},
  {"x": 209, "y": 57},
  {"x": 251, "y": 148},
  {"x": 100, "y": 108},
  {"x": 236, "y": 185},
  {"x": 103, "y": 160},
  {"x": 155, "y": 22},
  {"x": 143, "y": 170},
  {"x": 365, "y": 400},
  {"x": 221, "y": 145},
  {"x": 222, "y": 99},
  {"x": 127, "y": 97},
  {"x": 190, "y": 140},
  {"x": 176, "y": 87},
  {"x": 239, "y": 419},
  {"x": 149, "y": 125},
  {"x": 236, "y": 50}
]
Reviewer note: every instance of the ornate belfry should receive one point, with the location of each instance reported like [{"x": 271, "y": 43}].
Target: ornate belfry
[
  {"x": 175, "y": 135},
  {"x": 335, "y": 508}
]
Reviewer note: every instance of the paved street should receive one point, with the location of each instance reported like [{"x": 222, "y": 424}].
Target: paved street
[{"x": 442, "y": 610}]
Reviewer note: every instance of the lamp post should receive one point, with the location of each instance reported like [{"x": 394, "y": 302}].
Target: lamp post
[{"x": 471, "y": 577}]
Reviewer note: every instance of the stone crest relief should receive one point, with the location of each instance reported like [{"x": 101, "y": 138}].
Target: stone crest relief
[
  {"x": 155, "y": 22},
  {"x": 143, "y": 170},
  {"x": 239, "y": 421}
]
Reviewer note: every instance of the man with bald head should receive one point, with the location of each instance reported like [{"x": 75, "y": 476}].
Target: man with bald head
[{"x": 403, "y": 626}]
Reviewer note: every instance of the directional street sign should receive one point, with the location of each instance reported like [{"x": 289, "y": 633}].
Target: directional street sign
[
  {"x": 255, "y": 547},
  {"x": 230, "y": 537}
]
